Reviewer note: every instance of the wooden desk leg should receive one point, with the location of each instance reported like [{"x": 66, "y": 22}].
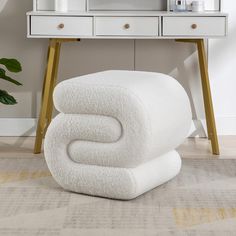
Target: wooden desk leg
[
  {"x": 49, "y": 82},
  {"x": 50, "y": 78},
  {"x": 52, "y": 86},
  {"x": 208, "y": 104},
  {"x": 209, "y": 110}
]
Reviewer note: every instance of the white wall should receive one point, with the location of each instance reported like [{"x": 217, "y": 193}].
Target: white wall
[
  {"x": 222, "y": 63},
  {"x": 88, "y": 56}
]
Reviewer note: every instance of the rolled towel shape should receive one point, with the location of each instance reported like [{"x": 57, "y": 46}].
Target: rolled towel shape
[{"x": 116, "y": 132}]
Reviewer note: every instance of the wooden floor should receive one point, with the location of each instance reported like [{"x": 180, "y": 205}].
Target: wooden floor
[
  {"x": 192, "y": 148},
  {"x": 201, "y": 148}
]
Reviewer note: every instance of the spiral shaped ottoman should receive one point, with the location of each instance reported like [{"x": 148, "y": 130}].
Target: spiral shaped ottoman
[{"x": 116, "y": 133}]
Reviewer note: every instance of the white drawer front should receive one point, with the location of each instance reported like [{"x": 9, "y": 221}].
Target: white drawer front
[
  {"x": 61, "y": 26},
  {"x": 194, "y": 26},
  {"x": 126, "y": 26}
]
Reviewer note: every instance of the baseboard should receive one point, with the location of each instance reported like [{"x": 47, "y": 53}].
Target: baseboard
[
  {"x": 17, "y": 127},
  {"x": 226, "y": 125},
  {"x": 27, "y": 126}
]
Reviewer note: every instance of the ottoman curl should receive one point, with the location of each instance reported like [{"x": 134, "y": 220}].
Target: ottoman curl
[{"x": 116, "y": 132}]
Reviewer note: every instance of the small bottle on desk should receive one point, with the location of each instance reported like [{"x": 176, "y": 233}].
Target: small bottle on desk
[
  {"x": 198, "y": 6},
  {"x": 180, "y": 5}
]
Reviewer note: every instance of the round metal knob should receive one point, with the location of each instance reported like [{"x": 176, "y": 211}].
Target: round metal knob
[
  {"x": 61, "y": 26},
  {"x": 127, "y": 26},
  {"x": 194, "y": 26}
]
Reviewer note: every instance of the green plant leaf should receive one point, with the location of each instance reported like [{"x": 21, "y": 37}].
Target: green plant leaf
[
  {"x": 6, "y": 98},
  {"x": 7, "y": 78},
  {"x": 11, "y": 64}
]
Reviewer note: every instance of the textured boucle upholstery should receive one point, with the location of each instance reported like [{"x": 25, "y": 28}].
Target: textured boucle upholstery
[{"x": 116, "y": 132}]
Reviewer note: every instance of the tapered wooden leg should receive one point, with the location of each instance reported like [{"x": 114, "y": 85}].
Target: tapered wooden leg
[
  {"x": 206, "y": 89},
  {"x": 210, "y": 117},
  {"x": 49, "y": 82},
  {"x": 52, "y": 86},
  {"x": 48, "y": 87}
]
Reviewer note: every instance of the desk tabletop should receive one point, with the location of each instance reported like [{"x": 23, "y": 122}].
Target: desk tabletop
[{"x": 126, "y": 13}]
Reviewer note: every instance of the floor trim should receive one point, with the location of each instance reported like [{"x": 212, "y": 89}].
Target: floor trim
[{"x": 17, "y": 127}]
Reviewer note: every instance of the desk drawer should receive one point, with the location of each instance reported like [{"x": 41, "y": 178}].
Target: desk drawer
[
  {"x": 61, "y": 26},
  {"x": 126, "y": 26},
  {"x": 194, "y": 26}
]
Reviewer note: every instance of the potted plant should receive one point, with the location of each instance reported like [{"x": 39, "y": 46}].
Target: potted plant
[{"x": 14, "y": 66}]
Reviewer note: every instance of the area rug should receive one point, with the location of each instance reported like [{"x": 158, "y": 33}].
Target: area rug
[{"x": 201, "y": 201}]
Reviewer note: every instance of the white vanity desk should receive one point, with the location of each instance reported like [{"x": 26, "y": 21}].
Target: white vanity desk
[{"x": 79, "y": 24}]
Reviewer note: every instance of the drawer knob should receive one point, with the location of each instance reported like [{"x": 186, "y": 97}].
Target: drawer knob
[
  {"x": 194, "y": 26},
  {"x": 127, "y": 26},
  {"x": 61, "y": 26}
]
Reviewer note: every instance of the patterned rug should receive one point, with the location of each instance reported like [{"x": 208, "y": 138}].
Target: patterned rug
[{"x": 201, "y": 201}]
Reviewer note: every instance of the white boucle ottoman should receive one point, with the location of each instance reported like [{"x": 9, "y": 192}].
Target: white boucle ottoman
[{"x": 116, "y": 133}]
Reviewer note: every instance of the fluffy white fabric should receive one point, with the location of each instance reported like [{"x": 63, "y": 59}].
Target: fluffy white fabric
[{"x": 116, "y": 132}]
